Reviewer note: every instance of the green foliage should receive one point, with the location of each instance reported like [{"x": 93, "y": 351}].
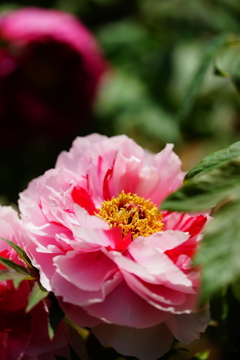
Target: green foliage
[
  {"x": 37, "y": 294},
  {"x": 21, "y": 253},
  {"x": 228, "y": 62},
  {"x": 12, "y": 265},
  {"x": 194, "y": 86},
  {"x": 125, "y": 103},
  {"x": 55, "y": 315},
  {"x": 220, "y": 250},
  {"x": 215, "y": 160},
  {"x": 24, "y": 257},
  {"x": 202, "y": 355},
  {"x": 13, "y": 275},
  {"x": 215, "y": 182}
]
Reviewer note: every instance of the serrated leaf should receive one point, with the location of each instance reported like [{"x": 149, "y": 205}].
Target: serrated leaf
[
  {"x": 215, "y": 160},
  {"x": 21, "y": 253},
  {"x": 195, "y": 84},
  {"x": 37, "y": 294},
  {"x": 206, "y": 191},
  {"x": 215, "y": 180},
  {"x": 12, "y": 265},
  {"x": 16, "y": 277},
  {"x": 219, "y": 253},
  {"x": 55, "y": 315}
]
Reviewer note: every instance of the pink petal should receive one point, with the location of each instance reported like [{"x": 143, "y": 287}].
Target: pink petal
[
  {"x": 125, "y": 263},
  {"x": 89, "y": 221},
  {"x": 159, "y": 296},
  {"x": 162, "y": 297},
  {"x": 123, "y": 307},
  {"x": 149, "y": 180},
  {"x": 125, "y": 174},
  {"x": 187, "y": 328},
  {"x": 70, "y": 160},
  {"x": 165, "y": 240},
  {"x": 145, "y": 344},
  {"x": 82, "y": 198},
  {"x": 168, "y": 164},
  {"x": 160, "y": 266},
  {"x": 87, "y": 271},
  {"x": 97, "y": 237},
  {"x": 184, "y": 222},
  {"x": 78, "y": 315},
  {"x": 72, "y": 294}
]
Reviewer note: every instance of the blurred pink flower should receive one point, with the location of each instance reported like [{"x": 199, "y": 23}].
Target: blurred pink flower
[
  {"x": 117, "y": 264},
  {"x": 22, "y": 336},
  {"x": 50, "y": 67}
]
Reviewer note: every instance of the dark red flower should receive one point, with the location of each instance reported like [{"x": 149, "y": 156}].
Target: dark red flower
[{"x": 50, "y": 67}]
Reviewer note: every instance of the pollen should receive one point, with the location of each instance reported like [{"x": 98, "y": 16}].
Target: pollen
[{"x": 133, "y": 214}]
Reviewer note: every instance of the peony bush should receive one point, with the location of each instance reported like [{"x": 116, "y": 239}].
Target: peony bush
[{"x": 116, "y": 263}]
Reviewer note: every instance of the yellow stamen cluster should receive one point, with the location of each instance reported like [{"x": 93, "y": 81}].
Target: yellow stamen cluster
[{"x": 133, "y": 214}]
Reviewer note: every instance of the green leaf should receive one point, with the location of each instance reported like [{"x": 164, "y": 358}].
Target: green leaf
[
  {"x": 16, "y": 277},
  {"x": 206, "y": 190},
  {"x": 24, "y": 257},
  {"x": 230, "y": 61},
  {"x": 215, "y": 180},
  {"x": 215, "y": 160},
  {"x": 37, "y": 294},
  {"x": 21, "y": 253},
  {"x": 195, "y": 84},
  {"x": 56, "y": 314},
  {"x": 219, "y": 253},
  {"x": 202, "y": 355},
  {"x": 12, "y": 265}
]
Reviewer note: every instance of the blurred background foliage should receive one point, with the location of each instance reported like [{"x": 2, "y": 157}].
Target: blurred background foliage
[
  {"x": 154, "y": 49},
  {"x": 173, "y": 76}
]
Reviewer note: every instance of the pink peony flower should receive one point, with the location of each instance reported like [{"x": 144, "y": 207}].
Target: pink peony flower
[
  {"x": 22, "y": 336},
  {"x": 117, "y": 264},
  {"x": 50, "y": 67}
]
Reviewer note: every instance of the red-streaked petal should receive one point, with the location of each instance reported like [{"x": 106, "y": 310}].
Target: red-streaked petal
[
  {"x": 87, "y": 271},
  {"x": 81, "y": 197}
]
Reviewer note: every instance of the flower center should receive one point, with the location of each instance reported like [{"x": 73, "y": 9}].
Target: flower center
[{"x": 132, "y": 214}]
